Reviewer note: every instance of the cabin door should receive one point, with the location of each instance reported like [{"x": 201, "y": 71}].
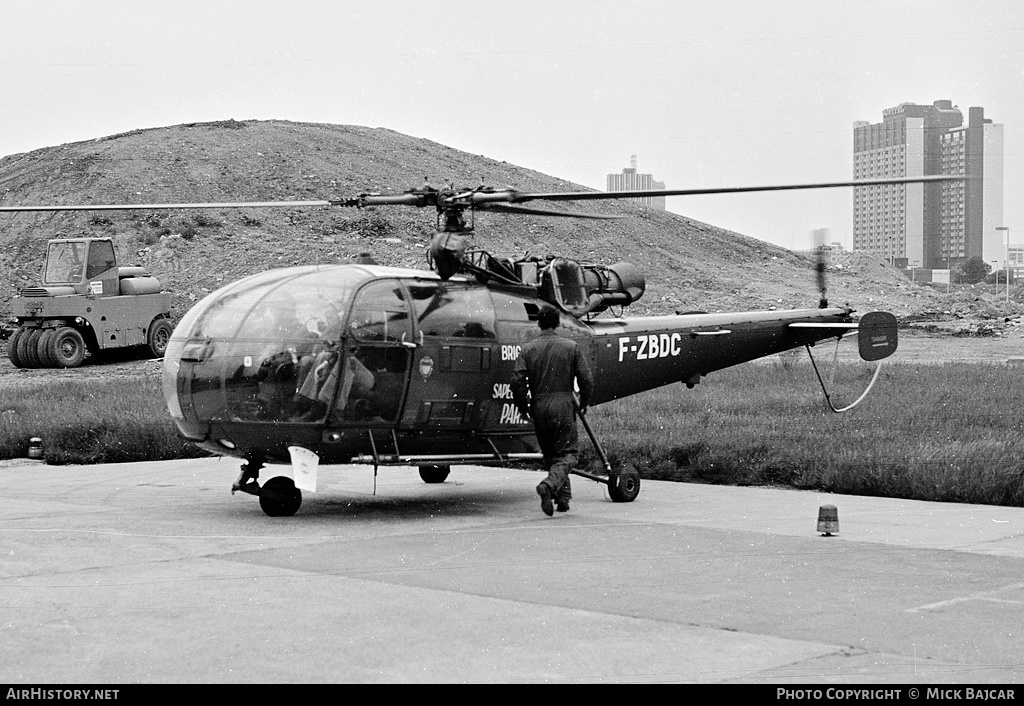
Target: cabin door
[
  {"x": 373, "y": 371},
  {"x": 454, "y": 361}
]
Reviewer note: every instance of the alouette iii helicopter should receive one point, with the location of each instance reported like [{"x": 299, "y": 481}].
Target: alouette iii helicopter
[{"x": 361, "y": 363}]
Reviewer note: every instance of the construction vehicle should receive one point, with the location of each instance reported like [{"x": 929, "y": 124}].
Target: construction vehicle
[{"x": 87, "y": 304}]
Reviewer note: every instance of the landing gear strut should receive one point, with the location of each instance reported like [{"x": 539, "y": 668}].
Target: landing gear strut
[
  {"x": 247, "y": 480},
  {"x": 623, "y": 484}
]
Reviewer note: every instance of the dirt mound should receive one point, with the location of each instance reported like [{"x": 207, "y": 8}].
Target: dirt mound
[{"x": 689, "y": 265}]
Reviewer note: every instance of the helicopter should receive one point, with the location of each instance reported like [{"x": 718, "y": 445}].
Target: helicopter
[{"x": 371, "y": 364}]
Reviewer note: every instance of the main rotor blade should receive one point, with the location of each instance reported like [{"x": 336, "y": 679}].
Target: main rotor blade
[
  {"x": 507, "y": 208},
  {"x": 155, "y": 206},
  {"x": 512, "y": 196},
  {"x": 421, "y": 198},
  {"x": 414, "y": 198}
]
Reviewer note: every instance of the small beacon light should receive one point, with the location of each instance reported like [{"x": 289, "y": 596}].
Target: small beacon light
[{"x": 828, "y": 520}]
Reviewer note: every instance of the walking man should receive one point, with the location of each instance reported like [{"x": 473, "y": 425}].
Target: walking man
[{"x": 547, "y": 367}]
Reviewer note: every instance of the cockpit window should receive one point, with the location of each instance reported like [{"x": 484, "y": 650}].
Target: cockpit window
[{"x": 65, "y": 262}]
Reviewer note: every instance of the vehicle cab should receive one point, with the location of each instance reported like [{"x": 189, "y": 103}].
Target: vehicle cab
[{"x": 86, "y": 266}]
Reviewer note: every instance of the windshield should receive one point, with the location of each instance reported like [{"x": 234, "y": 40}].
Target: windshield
[{"x": 65, "y": 262}]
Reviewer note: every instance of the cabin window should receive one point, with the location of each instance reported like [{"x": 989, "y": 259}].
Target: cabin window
[
  {"x": 101, "y": 258},
  {"x": 453, "y": 310},
  {"x": 381, "y": 314}
]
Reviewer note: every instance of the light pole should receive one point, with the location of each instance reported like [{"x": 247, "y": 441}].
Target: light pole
[
  {"x": 995, "y": 277},
  {"x": 1007, "y": 229}
]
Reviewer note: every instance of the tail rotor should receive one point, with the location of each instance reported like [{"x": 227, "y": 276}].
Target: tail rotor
[{"x": 820, "y": 264}]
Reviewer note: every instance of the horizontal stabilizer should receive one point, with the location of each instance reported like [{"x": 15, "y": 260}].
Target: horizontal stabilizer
[{"x": 878, "y": 337}]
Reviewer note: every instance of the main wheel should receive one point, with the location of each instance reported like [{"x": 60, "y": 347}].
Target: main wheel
[
  {"x": 434, "y": 473},
  {"x": 624, "y": 486},
  {"x": 159, "y": 334},
  {"x": 12, "y": 348},
  {"x": 279, "y": 497},
  {"x": 67, "y": 348}
]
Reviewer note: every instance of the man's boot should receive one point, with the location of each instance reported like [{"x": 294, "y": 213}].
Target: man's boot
[{"x": 545, "y": 499}]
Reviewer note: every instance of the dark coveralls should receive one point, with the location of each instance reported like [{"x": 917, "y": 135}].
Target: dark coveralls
[{"x": 547, "y": 366}]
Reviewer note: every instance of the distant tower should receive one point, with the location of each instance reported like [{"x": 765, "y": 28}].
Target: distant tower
[
  {"x": 929, "y": 225},
  {"x": 629, "y": 180}
]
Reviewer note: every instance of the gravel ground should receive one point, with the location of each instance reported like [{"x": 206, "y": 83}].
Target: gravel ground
[{"x": 106, "y": 367}]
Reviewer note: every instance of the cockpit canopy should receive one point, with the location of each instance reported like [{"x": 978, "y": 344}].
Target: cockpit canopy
[{"x": 270, "y": 346}]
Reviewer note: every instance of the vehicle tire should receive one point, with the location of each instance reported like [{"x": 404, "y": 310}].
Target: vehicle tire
[
  {"x": 279, "y": 497},
  {"x": 624, "y": 485},
  {"x": 43, "y": 348},
  {"x": 12, "y": 348},
  {"x": 29, "y": 343},
  {"x": 434, "y": 473},
  {"x": 26, "y": 360},
  {"x": 159, "y": 334},
  {"x": 67, "y": 348}
]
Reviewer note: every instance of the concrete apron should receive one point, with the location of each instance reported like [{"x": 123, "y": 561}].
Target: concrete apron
[{"x": 154, "y": 572}]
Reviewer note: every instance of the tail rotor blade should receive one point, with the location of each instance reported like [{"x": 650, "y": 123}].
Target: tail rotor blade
[{"x": 820, "y": 266}]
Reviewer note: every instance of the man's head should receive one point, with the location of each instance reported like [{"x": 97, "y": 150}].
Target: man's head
[{"x": 548, "y": 318}]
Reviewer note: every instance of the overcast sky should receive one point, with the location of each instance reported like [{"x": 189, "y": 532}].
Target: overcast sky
[{"x": 710, "y": 93}]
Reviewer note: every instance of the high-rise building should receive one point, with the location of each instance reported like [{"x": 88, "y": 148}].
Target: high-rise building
[
  {"x": 929, "y": 225},
  {"x": 629, "y": 180}
]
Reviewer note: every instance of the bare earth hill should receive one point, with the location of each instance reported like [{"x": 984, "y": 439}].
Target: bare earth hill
[{"x": 689, "y": 265}]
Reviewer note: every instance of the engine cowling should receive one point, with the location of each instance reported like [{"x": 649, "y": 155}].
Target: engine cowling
[{"x": 586, "y": 289}]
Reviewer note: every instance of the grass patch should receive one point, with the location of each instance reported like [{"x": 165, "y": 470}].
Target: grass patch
[
  {"x": 951, "y": 432},
  {"x": 95, "y": 421}
]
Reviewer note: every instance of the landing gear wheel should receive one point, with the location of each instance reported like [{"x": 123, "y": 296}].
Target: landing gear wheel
[
  {"x": 624, "y": 486},
  {"x": 67, "y": 348},
  {"x": 434, "y": 473},
  {"x": 159, "y": 333},
  {"x": 279, "y": 497},
  {"x": 12, "y": 348}
]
